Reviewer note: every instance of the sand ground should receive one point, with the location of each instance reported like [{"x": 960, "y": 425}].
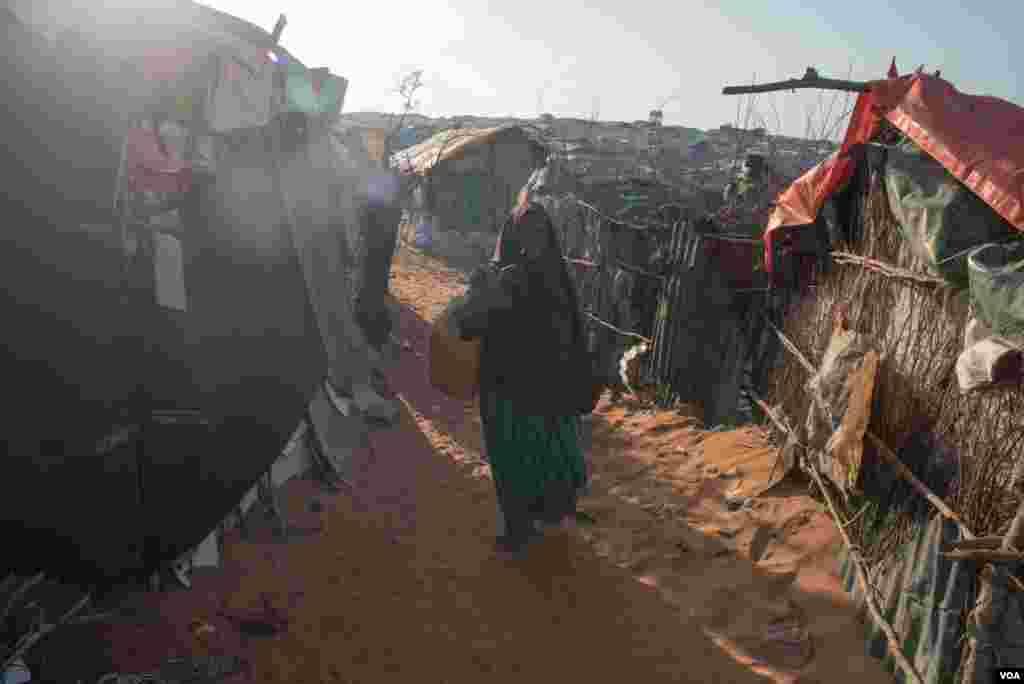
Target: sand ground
[{"x": 680, "y": 569}]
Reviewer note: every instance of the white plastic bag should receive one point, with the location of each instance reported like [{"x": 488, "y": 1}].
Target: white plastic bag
[{"x": 987, "y": 360}]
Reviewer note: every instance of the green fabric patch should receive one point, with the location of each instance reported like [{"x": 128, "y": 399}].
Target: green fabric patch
[
  {"x": 528, "y": 453},
  {"x": 997, "y": 287},
  {"x": 312, "y": 92},
  {"x": 940, "y": 217},
  {"x": 472, "y": 200}
]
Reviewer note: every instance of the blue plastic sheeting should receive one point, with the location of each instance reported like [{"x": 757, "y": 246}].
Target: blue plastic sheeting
[{"x": 925, "y": 598}]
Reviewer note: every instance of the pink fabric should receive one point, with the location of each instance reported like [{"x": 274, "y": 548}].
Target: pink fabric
[
  {"x": 166, "y": 64},
  {"x": 232, "y": 70},
  {"x": 893, "y": 72},
  {"x": 150, "y": 168}
]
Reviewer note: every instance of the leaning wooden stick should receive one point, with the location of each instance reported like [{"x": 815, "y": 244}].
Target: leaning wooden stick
[
  {"x": 985, "y": 555},
  {"x": 904, "y": 472},
  {"x": 919, "y": 486},
  {"x": 769, "y": 412},
  {"x": 869, "y": 600},
  {"x": 780, "y": 424}
]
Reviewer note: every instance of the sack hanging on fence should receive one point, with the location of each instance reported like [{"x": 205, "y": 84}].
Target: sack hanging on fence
[
  {"x": 939, "y": 217},
  {"x": 846, "y": 380},
  {"x": 997, "y": 287}
]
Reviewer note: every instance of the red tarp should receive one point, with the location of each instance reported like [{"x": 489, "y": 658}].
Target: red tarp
[{"x": 974, "y": 137}]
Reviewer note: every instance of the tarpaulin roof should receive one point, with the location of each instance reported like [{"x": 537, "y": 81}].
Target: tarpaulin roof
[
  {"x": 452, "y": 144},
  {"x": 974, "y": 137}
]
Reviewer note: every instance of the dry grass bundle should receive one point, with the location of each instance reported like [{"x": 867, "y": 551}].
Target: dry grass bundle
[{"x": 919, "y": 412}]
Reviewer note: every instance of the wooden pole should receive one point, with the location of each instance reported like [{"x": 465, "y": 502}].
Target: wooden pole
[
  {"x": 809, "y": 80},
  {"x": 275, "y": 35},
  {"x": 869, "y": 599},
  {"x": 985, "y": 555}
]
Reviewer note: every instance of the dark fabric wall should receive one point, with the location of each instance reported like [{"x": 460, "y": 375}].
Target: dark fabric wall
[{"x": 86, "y": 348}]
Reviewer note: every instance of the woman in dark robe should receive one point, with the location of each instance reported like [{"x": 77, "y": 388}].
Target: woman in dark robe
[{"x": 536, "y": 375}]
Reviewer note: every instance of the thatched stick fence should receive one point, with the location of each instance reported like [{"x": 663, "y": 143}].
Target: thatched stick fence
[
  {"x": 1008, "y": 551},
  {"x": 858, "y": 561},
  {"x": 887, "y": 453},
  {"x": 866, "y": 588}
]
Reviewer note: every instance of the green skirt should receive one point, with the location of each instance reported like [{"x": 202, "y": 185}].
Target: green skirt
[{"x": 537, "y": 463}]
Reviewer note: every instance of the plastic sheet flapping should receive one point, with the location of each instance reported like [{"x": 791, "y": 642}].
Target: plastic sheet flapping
[{"x": 972, "y": 136}]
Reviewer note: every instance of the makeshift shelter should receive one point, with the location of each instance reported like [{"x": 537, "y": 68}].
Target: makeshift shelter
[
  {"x": 903, "y": 364},
  {"x": 674, "y": 279},
  {"x": 633, "y": 199},
  {"x": 164, "y": 294},
  {"x": 470, "y": 177}
]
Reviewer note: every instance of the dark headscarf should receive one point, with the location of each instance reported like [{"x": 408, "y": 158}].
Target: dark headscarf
[{"x": 534, "y": 352}]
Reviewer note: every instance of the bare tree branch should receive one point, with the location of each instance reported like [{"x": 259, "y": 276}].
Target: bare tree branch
[
  {"x": 810, "y": 79},
  {"x": 406, "y": 89}
]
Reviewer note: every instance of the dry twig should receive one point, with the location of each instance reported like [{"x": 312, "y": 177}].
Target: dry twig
[
  {"x": 19, "y": 593},
  {"x": 618, "y": 330},
  {"x": 888, "y": 270},
  {"x": 41, "y": 631}
]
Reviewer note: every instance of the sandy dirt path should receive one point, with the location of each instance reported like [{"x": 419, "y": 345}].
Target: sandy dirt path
[{"x": 401, "y": 584}]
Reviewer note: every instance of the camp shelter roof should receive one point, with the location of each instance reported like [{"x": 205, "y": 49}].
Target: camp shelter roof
[
  {"x": 976, "y": 138},
  {"x": 134, "y": 31},
  {"x": 454, "y": 143}
]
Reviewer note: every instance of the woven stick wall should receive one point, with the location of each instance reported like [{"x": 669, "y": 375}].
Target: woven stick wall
[{"x": 917, "y": 323}]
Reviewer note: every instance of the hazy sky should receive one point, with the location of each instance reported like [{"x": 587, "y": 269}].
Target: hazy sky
[{"x": 621, "y": 59}]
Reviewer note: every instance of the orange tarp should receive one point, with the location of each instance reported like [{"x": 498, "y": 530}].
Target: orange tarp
[{"x": 974, "y": 137}]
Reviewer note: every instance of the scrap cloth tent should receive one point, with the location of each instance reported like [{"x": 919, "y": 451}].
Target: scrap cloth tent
[
  {"x": 176, "y": 213},
  {"x": 467, "y": 179}
]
